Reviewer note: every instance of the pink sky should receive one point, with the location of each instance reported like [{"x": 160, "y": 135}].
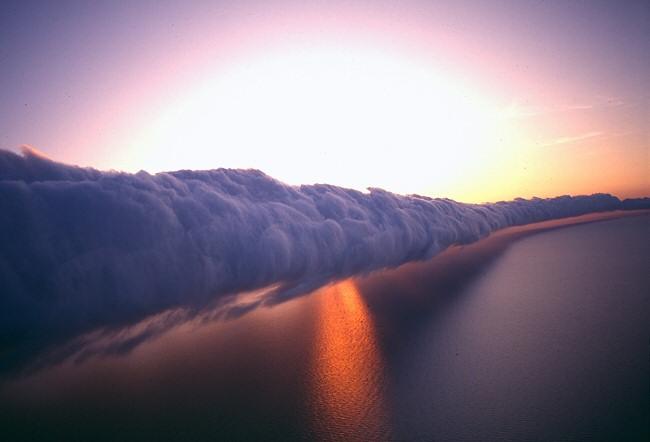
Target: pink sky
[{"x": 559, "y": 87}]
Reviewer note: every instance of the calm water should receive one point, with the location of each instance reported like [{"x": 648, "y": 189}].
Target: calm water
[{"x": 546, "y": 339}]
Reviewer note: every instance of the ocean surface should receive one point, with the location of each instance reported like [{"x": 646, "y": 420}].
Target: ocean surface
[{"x": 543, "y": 337}]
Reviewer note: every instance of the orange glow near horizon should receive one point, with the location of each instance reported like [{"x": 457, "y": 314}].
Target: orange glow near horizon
[{"x": 347, "y": 367}]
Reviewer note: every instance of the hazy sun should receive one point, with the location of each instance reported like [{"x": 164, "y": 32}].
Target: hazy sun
[{"x": 352, "y": 118}]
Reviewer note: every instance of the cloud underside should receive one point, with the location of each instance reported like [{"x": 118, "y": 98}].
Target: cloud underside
[{"x": 81, "y": 248}]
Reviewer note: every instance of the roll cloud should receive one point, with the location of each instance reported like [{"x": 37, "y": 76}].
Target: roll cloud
[{"x": 81, "y": 248}]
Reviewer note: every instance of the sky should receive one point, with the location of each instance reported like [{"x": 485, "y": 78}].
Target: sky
[{"x": 475, "y": 101}]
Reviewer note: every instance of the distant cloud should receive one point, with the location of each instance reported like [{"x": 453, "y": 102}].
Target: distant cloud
[
  {"x": 573, "y": 139},
  {"x": 517, "y": 110},
  {"x": 610, "y": 101},
  {"x": 81, "y": 248},
  {"x": 580, "y": 107}
]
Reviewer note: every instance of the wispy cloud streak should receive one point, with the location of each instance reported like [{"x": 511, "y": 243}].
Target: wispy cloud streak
[
  {"x": 518, "y": 111},
  {"x": 573, "y": 139}
]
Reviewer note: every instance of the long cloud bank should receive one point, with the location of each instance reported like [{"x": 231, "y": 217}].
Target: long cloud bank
[{"x": 81, "y": 248}]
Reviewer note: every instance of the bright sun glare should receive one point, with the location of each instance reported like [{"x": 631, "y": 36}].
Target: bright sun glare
[{"x": 356, "y": 119}]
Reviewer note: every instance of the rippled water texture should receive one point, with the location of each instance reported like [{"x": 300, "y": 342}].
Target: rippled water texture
[{"x": 544, "y": 338}]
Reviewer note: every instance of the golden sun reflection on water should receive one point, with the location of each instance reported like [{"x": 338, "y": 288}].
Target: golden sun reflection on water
[{"x": 346, "y": 379}]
